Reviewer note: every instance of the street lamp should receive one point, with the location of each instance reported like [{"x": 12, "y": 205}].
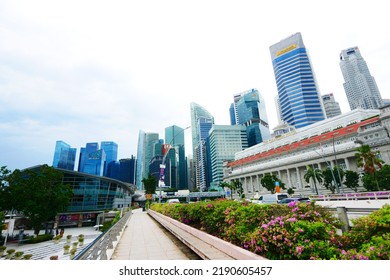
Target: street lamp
[
  {"x": 162, "y": 165},
  {"x": 338, "y": 170},
  {"x": 331, "y": 170}
]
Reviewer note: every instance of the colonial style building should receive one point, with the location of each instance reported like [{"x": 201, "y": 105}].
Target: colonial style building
[{"x": 320, "y": 145}]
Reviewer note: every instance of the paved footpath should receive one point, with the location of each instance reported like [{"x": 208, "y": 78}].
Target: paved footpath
[{"x": 145, "y": 239}]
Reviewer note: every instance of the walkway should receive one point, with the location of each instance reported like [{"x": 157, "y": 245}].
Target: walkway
[{"x": 144, "y": 239}]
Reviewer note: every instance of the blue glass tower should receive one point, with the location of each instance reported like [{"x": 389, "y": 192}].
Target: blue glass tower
[
  {"x": 64, "y": 156},
  {"x": 111, "y": 150},
  {"x": 92, "y": 159},
  {"x": 250, "y": 111},
  {"x": 174, "y": 136},
  {"x": 300, "y": 102},
  {"x": 197, "y": 112}
]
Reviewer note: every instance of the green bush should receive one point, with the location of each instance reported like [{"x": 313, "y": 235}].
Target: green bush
[
  {"x": 39, "y": 238},
  {"x": 287, "y": 232}
]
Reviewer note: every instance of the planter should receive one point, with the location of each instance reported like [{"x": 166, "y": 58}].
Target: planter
[
  {"x": 10, "y": 253},
  {"x": 18, "y": 255},
  {"x": 66, "y": 249}
]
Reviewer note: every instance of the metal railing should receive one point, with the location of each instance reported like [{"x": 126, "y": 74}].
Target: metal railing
[
  {"x": 100, "y": 247},
  {"x": 353, "y": 196}
]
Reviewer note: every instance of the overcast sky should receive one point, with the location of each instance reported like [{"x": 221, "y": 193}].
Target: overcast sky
[{"x": 92, "y": 71}]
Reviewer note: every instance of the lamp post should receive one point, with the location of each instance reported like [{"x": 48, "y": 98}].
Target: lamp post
[
  {"x": 338, "y": 171},
  {"x": 331, "y": 171},
  {"x": 162, "y": 165}
]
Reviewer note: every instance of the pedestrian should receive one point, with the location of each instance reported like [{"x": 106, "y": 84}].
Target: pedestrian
[{"x": 57, "y": 231}]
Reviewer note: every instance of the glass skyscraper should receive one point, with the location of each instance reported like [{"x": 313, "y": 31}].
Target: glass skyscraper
[
  {"x": 92, "y": 159},
  {"x": 64, "y": 156},
  {"x": 145, "y": 153},
  {"x": 250, "y": 111},
  {"x": 202, "y": 168},
  {"x": 197, "y": 112},
  {"x": 299, "y": 98},
  {"x": 111, "y": 150},
  {"x": 174, "y": 136},
  {"x": 360, "y": 87}
]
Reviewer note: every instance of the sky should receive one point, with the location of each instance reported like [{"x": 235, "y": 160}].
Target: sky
[{"x": 92, "y": 71}]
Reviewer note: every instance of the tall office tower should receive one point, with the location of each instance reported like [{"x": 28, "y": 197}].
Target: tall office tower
[
  {"x": 225, "y": 141},
  {"x": 64, "y": 156},
  {"x": 202, "y": 174},
  {"x": 145, "y": 152},
  {"x": 127, "y": 170},
  {"x": 332, "y": 108},
  {"x": 278, "y": 110},
  {"x": 197, "y": 112},
  {"x": 299, "y": 98},
  {"x": 92, "y": 159},
  {"x": 232, "y": 114},
  {"x": 360, "y": 87},
  {"x": 111, "y": 150},
  {"x": 174, "y": 136},
  {"x": 250, "y": 111}
]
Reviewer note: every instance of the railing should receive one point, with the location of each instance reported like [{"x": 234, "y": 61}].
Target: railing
[
  {"x": 99, "y": 249},
  {"x": 353, "y": 196}
]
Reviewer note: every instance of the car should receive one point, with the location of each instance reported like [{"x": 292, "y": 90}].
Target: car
[
  {"x": 291, "y": 199},
  {"x": 270, "y": 198},
  {"x": 173, "y": 200}
]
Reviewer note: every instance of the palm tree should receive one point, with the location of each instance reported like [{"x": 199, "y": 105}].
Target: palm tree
[
  {"x": 315, "y": 174},
  {"x": 369, "y": 160}
]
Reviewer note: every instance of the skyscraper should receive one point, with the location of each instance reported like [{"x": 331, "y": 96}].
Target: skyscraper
[
  {"x": 300, "y": 102},
  {"x": 174, "y": 136},
  {"x": 64, "y": 156},
  {"x": 197, "y": 112},
  {"x": 202, "y": 167},
  {"x": 111, "y": 150},
  {"x": 145, "y": 153},
  {"x": 225, "y": 141},
  {"x": 360, "y": 87},
  {"x": 92, "y": 159},
  {"x": 250, "y": 111},
  {"x": 332, "y": 108}
]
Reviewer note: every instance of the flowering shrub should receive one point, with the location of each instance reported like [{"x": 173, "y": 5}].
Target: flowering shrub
[
  {"x": 287, "y": 232},
  {"x": 369, "y": 236}
]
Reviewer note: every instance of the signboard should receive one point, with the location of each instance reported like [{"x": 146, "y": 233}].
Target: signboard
[{"x": 285, "y": 50}]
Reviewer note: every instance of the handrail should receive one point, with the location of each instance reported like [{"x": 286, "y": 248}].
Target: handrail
[
  {"x": 97, "y": 250},
  {"x": 352, "y": 196}
]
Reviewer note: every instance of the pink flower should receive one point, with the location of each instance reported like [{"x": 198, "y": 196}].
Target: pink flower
[{"x": 299, "y": 249}]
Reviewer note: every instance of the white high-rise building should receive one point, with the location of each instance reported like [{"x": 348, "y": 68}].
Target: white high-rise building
[
  {"x": 332, "y": 108},
  {"x": 360, "y": 87}
]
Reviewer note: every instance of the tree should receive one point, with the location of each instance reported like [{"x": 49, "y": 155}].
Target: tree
[
  {"x": 39, "y": 194},
  {"x": 227, "y": 185},
  {"x": 380, "y": 180},
  {"x": 150, "y": 184},
  {"x": 237, "y": 186},
  {"x": 269, "y": 180},
  {"x": 4, "y": 174},
  {"x": 315, "y": 174},
  {"x": 369, "y": 161},
  {"x": 234, "y": 185},
  {"x": 331, "y": 177},
  {"x": 351, "y": 180}
]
